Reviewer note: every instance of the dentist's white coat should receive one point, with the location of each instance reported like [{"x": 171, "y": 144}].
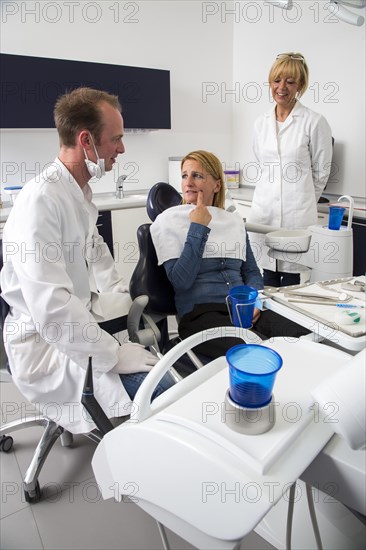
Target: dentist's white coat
[
  {"x": 52, "y": 273},
  {"x": 294, "y": 167}
]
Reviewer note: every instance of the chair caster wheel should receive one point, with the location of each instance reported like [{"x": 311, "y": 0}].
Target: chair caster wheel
[
  {"x": 6, "y": 443},
  {"x": 33, "y": 496}
]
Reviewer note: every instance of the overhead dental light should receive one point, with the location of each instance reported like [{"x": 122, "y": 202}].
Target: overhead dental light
[
  {"x": 284, "y": 4},
  {"x": 336, "y": 7}
]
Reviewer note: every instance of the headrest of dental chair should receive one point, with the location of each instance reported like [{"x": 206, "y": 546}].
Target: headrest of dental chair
[
  {"x": 149, "y": 278},
  {"x": 344, "y": 395},
  {"x": 161, "y": 196}
]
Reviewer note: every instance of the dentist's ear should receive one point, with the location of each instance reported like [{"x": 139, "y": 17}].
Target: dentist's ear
[
  {"x": 84, "y": 139},
  {"x": 95, "y": 169}
]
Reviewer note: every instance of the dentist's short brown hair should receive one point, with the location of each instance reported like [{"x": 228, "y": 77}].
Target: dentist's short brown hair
[{"x": 80, "y": 110}]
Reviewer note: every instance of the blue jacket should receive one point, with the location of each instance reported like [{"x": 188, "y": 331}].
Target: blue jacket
[{"x": 198, "y": 280}]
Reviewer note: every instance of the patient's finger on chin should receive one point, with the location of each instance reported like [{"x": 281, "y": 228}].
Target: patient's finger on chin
[{"x": 200, "y": 199}]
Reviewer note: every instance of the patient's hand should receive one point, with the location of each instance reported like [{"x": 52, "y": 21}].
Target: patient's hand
[
  {"x": 256, "y": 315},
  {"x": 200, "y": 214}
]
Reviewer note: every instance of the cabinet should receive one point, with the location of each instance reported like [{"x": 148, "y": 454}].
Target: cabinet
[
  {"x": 359, "y": 245},
  {"x": 104, "y": 225},
  {"x": 124, "y": 228}
]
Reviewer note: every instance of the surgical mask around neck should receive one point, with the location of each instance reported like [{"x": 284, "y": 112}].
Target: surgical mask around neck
[{"x": 96, "y": 170}]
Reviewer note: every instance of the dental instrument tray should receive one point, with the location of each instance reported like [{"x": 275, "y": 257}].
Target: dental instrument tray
[{"x": 322, "y": 300}]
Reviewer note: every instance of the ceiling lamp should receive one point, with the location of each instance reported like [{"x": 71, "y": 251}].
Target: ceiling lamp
[
  {"x": 285, "y": 4},
  {"x": 337, "y": 7}
]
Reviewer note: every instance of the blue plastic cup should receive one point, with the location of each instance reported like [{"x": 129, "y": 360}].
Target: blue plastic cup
[
  {"x": 252, "y": 373},
  {"x": 241, "y": 302},
  {"x": 335, "y": 217}
]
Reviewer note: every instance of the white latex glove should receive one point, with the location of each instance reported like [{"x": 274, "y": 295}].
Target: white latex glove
[{"x": 134, "y": 358}]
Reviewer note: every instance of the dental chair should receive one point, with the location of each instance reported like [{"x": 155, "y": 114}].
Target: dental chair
[
  {"x": 150, "y": 286},
  {"x": 228, "y": 482},
  {"x": 148, "y": 277}
]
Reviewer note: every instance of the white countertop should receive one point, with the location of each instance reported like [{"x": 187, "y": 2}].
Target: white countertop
[
  {"x": 243, "y": 193},
  {"x": 108, "y": 201},
  {"x": 246, "y": 194},
  {"x": 104, "y": 201},
  {"x": 4, "y": 212},
  {"x": 136, "y": 199}
]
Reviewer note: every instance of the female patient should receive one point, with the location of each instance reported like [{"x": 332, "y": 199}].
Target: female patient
[{"x": 205, "y": 252}]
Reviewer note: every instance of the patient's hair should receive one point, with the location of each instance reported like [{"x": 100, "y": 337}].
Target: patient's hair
[
  {"x": 291, "y": 65},
  {"x": 80, "y": 109},
  {"x": 213, "y": 166}
]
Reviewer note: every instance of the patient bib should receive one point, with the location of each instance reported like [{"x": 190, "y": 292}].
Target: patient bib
[{"x": 226, "y": 239}]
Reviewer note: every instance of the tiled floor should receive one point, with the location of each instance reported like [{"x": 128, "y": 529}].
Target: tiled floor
[{"x": 72, "y": 513}]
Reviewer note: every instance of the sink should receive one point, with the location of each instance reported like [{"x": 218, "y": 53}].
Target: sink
[
  {"x": 137, "y": 196},
  {"x": 289, "y": 240},
  {"x": 112, "y": 196},
  {"x": 109, "y": 199}
]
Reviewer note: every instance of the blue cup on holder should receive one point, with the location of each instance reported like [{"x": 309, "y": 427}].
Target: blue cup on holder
[
  {"x": 240, "y": 303},
  {"x": 335, "y": 217},
  {"x": 252, "y": 373}
]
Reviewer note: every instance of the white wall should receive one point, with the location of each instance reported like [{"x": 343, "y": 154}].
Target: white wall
[
  {"x": 164, "y": 35},
  {"x": 335, "y": 52},
  {"x": 209, "y": 52}
]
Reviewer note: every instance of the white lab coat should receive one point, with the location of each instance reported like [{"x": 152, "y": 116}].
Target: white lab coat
[
  {"x": 55, "y": 262},
  {"x": 294, "y": 166}
]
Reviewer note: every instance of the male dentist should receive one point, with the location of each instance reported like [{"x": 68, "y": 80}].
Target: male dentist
[{"x": 60, "y": 279}]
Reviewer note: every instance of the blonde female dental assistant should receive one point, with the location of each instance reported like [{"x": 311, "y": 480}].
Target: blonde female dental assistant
[{"x": 293, "y": 148}]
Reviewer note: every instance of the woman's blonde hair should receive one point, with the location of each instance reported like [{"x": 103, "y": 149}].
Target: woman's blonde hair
[
  {"x": 213, "y": 166},
  {"x": 291, "y": 65}
]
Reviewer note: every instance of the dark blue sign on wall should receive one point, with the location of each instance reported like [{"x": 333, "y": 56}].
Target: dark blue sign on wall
[{"x": 30, "y": 86}]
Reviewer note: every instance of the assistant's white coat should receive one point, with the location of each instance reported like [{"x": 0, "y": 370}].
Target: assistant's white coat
[{"x": 295, "y": 165}]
